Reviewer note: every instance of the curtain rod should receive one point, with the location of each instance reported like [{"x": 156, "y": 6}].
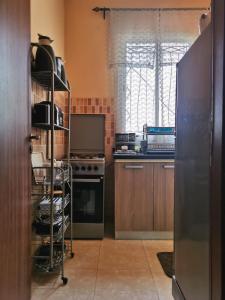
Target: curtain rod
[{"x": 104, "y": 10}]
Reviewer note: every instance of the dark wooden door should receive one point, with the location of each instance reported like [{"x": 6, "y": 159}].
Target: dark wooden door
[
  {"x": 218, "y": 162},
  {"x": 14, "y": 150}
]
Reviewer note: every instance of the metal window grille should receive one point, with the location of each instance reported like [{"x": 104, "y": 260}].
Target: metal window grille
[{"x": 148, "y": 84}]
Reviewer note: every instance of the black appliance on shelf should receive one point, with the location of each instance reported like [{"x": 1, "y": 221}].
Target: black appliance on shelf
[
  {"x": 41, "y": 114},
  {"x": 45, "y": 54},
  {"x": 60, "y": 69},
  {"x": 88, "y": 164}
]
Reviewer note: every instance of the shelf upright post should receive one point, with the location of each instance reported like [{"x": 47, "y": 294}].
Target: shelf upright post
[
  {"x": 63, "y": 224},
  {"x": 52, "y": 166},
  {"x": 69, "y": 123},
  {"x": 71, "y": 171}
]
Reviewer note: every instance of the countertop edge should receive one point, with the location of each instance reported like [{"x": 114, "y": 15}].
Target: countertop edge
[{"x": 142, "y": 160}]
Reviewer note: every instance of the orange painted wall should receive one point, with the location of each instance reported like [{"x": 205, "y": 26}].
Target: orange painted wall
[
  {"x": 86, "y": 41},
  {"x": 47, "y": 17}
]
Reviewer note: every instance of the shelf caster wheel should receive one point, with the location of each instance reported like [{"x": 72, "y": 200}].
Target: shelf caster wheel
[
  {"x": 65, "y": 280},
  {"x": 50, "y": 269},
  {"x": 72, "y": 255}
]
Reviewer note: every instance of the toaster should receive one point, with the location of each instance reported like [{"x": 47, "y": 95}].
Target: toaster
[{"x": 41, "y": 114}]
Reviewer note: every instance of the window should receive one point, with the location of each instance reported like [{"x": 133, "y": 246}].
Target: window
[
  {"x": 144, "y": 47},
  {"x": 149, "y": 84}
]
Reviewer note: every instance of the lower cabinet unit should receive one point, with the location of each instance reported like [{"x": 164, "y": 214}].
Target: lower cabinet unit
[
  {"x": 144, "y": 195},
  {"x": 134, "y": 196},
  {"x": 163, "y": 196}
]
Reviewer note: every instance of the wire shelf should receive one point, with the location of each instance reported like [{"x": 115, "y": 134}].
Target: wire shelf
[
  {"x": 48, "y": 126},
  {"x": 44, "y": 79}
]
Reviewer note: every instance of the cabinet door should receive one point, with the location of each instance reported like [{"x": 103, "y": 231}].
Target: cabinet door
[
  {"x": 163, "y": 196},
  {"x": 134, "y": 196}
]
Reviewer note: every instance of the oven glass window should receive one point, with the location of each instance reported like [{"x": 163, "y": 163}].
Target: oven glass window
[{"x": 88, "y": 202}]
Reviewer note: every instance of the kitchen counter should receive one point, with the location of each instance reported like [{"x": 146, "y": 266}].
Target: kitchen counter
[{"x": 142, "y": 156}]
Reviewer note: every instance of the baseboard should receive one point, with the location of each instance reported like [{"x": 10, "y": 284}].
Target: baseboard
[
  {"x": 176, "y": 291},
  {"x": 143, "y": 235}
]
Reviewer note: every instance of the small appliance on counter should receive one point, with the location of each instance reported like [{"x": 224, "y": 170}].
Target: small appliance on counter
[
  {"x": 125, "y": 142},
  {"x": 159, "y": 140},
  {"x": 41, "y": 114}
]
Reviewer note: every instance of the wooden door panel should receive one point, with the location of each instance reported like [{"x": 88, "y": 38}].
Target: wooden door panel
[
  {"x": 163, "y": 196},
  {"x": 15, "y": 159},
  {"x": 134, "y": 196}
]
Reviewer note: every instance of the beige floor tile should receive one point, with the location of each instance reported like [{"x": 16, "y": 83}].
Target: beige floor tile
[
  {"x": 125, "y": 280},
  {"x": 89, "y": 243},
  {"x": 157, "y": 246},
  {"x": 121, "y": 243},
  {"x": 162, "y": 282},
  {"x": 122, "y": 255},
  {"x": 44, "y": 280},
  {"x": 51, "y": 294},
  {"x": 164, "y": 287},
  {"x": 125, "y": 261},
  {"x": 111, "y": 270},
  {"x": 125, "y": 295},
  {"x": 86, "y": 257},
  {"x": 83, "y": 295},
  {"x": 59, "y": 294},
  {"x": 80, "y": 279}
]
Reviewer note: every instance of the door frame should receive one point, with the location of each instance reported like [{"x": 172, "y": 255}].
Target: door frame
[{"x": 217, "y": 169}]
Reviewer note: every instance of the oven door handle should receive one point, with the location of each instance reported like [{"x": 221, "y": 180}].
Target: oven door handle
[{"x": 87, "y": 180}]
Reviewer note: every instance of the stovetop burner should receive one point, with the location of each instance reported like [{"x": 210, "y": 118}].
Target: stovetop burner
[{"x": 88, "y": 164}]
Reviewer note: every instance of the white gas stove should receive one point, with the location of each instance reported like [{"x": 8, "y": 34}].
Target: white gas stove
[{"x": 87, "y": 165}]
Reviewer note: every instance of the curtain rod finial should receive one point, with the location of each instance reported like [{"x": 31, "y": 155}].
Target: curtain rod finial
[
  {"x": 96, "y": 9},
  {"x": 102, "y": 9}
]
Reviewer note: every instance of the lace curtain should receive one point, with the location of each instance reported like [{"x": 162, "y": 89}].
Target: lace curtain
[{"x": 144, "y": 47}]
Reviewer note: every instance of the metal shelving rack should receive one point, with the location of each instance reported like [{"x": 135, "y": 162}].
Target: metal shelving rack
[{"x": 51, "y": 82}]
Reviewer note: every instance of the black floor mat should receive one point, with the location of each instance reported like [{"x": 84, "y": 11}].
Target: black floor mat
[{"x": 166, "y": 261}]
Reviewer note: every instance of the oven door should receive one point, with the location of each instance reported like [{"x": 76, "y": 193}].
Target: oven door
[{"x": 88, "y": 194}]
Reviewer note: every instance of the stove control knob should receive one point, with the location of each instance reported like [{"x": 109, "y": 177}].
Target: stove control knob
[
  {"x": 83, "y": 168},
  {"x": 89, "y": 168},
  {"x": 77, "y": 168},
  {"x": 96, "y": 168}
]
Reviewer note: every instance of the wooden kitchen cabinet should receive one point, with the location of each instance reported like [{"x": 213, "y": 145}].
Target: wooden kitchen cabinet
[
  {"x": 144, "y": 199},
  {"x": 163, "y": 196},
  {"x": 134, "y": 196}
]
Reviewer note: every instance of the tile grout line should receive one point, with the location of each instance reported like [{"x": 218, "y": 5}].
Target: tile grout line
[
  {"x": 149, "y": 267},
  {"x": 97, "y": 269}
]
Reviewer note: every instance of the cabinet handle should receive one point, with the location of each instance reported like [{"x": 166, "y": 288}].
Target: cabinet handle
[
  {"x": 86, "y": 180},
  {"x": 134, "y": 167},
  {"x": 168, "y": 166}
]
